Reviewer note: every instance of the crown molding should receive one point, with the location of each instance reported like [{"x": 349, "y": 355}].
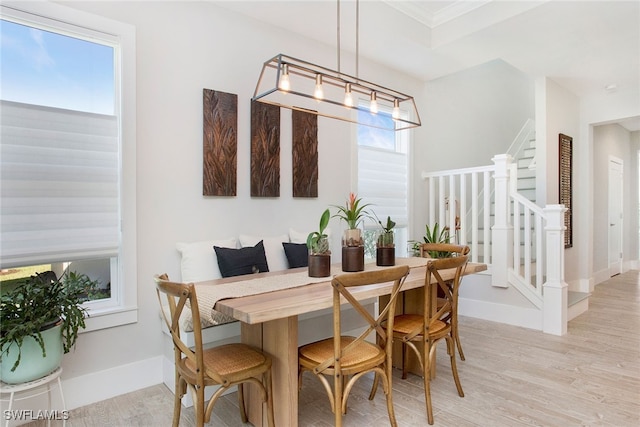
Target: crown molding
[{"x": 418, "y": 11}]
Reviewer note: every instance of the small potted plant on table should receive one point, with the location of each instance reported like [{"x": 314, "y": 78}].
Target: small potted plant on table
[
  {"x": 319, "y": 253},
  {"x": 436, "y": 234},
  {"x": 385, "y": 246},
  {"x": 40, "y": 320},
  {"x": 353, "y": 213}
]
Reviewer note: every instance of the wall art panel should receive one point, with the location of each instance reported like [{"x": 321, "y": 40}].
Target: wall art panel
[
  {"x": 265, "y": 150},
  {"x": 220, "y": 143},
  {"x": 305, "y": 154}
]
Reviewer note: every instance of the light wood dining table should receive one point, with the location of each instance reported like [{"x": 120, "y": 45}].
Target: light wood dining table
[{"x": 270, "y": 322}]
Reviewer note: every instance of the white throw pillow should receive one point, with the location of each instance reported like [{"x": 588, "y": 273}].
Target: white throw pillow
[
  {"x": 273, "y": 249},
  {"x": 199, "y": 260},
  {"x": 297, "y": 236},
  {"x": 301, "y": 237}
]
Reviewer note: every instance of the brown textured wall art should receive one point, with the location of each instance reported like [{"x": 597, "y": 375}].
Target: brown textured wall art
[
  {"x": 220, "y": 143},
  {"x": 305, "y": 154},
  {"x": 265, "y": 150}
]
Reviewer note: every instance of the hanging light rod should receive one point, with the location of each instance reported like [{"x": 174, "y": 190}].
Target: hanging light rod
[{"x": 299, "y": 85}]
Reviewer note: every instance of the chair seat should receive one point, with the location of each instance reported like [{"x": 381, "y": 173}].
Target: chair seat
[
  {"x": 405, "y": 323},
  {"x": 231, "y": 361},
  {"x": 315, "y": 353}
]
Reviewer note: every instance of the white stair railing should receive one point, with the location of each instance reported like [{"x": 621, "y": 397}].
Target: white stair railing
[
  {"x": 529, "y": 223},
  {"x": 523, "y": 243},
  {"x": 462, "y": 197}
]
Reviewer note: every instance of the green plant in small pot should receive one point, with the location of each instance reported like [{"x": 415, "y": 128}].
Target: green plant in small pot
[
  {"x": 385, "y": 246},
  {"x": 353, "y": 213},
  {"x": 40, "y": 319},
  {"x": 436, "y": 234},
  {"x": 319, "y": 252}
]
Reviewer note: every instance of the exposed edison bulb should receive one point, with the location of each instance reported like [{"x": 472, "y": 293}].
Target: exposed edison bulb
[
  {"x": 318, "y": 93},
  {"x": 373, "y": 105},
  {"x": 285, "y": 83},
  {"x": 396, "y": 109},
  {"x": 348, "y": 98}
]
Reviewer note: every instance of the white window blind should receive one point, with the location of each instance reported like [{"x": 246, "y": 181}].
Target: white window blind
[
  {"x": 59, "y": 189},
  {"x": 382, "y": 181}
]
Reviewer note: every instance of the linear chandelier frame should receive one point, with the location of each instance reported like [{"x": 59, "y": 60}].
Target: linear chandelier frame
[{"x": 300, "y": 85}]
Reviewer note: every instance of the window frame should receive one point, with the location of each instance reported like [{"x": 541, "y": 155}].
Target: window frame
[{"x": 121, "y": 309}]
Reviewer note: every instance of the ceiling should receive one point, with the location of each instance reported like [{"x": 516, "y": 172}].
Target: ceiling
[{"x": 590, "y": 48}]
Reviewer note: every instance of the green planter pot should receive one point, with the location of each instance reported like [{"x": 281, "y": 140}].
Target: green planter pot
[{"x": 32, "y": 365}]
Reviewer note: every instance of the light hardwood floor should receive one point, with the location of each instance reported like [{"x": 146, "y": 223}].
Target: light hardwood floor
[{"x": 512, "y": 377}]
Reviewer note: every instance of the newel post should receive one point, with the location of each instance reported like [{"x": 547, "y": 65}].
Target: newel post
[
  {"x": 502, "y": 230},
  {"x": 555, "y": 289}
]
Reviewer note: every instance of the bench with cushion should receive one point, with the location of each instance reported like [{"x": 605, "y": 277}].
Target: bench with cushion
[{"x": 213, "y": 259}]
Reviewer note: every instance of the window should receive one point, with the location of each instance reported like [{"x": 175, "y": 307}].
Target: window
[
  {"x": 68, "y": 151},
  {"x": 383, "y": 179}
]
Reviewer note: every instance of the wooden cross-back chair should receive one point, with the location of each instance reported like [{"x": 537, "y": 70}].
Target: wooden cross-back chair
[
  {"x": 346, "y": 357},
  {"x": 226, "y": 365},
  {"x": 439, "y": 248},
  {"x": 422, "y": 332}
]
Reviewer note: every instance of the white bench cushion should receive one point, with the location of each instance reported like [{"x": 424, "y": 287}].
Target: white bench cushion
[
  {"x": 199, "y": 263},
  {"x": 199, "y": 260}
]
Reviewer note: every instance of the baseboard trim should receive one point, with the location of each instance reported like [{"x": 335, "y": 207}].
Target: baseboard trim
[
  {"x": 578, "y": 308},
  {"x": 97, "y": 386},
  {"x": 600, "y": 276},
  {"x": 502, "y": 313}
]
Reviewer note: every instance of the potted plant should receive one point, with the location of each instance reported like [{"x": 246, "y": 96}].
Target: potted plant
[
  {"x": 353, "y": 213},
  {"x": 385, "y": 246},
  {"x": 40, "y": 321},
  {"x": 436, "y": 235},
  {"x": 319, "y": 253}
]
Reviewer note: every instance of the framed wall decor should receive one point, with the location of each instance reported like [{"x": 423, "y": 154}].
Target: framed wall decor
[
  {"x": 265, "y": 150},
  {"x": 220, "y": 143},
  {"x": 304, "y": 154},
  {"x": 565, "y": 149}
]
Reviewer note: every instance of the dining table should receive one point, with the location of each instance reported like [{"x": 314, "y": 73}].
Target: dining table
[{"x": 268, "y": 305}]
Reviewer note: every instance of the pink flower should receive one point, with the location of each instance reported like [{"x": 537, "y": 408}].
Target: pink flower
[{"x": 353, "y": 198}]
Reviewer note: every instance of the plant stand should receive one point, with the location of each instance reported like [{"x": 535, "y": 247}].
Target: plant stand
[
  {"x": 352, "y": 258},
  {"x": 12, "y": 389}
]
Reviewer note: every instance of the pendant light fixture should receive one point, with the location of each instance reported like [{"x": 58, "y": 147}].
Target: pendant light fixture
[{"x": 300, "y": 85}]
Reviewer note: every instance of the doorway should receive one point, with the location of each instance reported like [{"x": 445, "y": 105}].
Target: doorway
[{"x": 615, "y": 215}]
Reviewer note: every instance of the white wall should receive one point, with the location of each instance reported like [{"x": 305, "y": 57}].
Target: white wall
[
  {"x": 468, "y": 117},
  {"x": 595, "y": 110},
  {"x": 613, "y": 140},
  {"x": 631, "y": 215},
  {"x": 183, "y": 47},
  {"x": 561, "y": 114}
]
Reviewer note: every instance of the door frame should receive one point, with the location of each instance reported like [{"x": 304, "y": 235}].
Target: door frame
[{"x": 615, "y": 267}]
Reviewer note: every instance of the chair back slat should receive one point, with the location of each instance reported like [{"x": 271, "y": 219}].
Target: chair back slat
[
  {"x": 428, "y": 248},
  {"x": 449, "y": 289},
  {"x": 181, "y": 296},
  {"x": 341, "y": 289}
]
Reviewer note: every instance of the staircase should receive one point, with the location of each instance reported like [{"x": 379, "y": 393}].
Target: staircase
[
  {"x": 495, "y": 213},
  {"x": 527, "y": 171},
  {"x": 525, "y": 159}
]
